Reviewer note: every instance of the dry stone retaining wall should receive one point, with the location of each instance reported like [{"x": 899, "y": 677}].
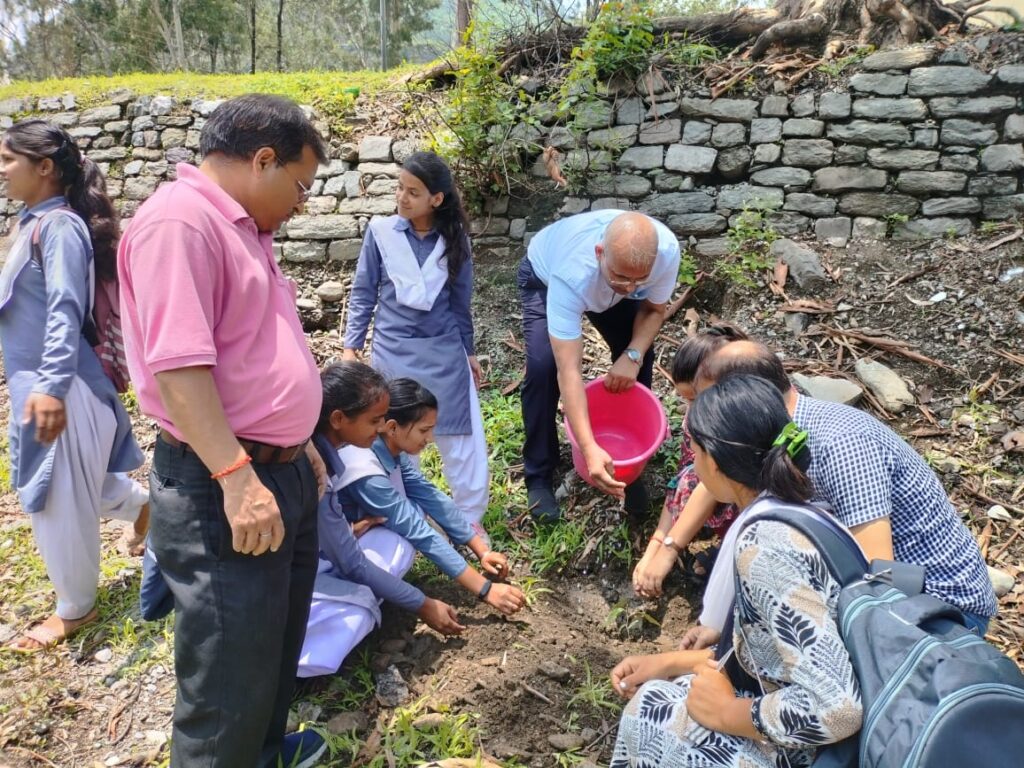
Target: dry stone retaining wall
[{"x": 917, "y": 145}]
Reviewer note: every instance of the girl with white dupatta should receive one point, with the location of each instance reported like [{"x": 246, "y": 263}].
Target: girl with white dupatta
[
  {"x": 69, "y": 435},
  {"x": 415, "y": 281}
]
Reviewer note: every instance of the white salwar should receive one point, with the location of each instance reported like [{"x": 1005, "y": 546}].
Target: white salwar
[
  {"x": 336, "y": 626},
  {"x": 67, "y": 529},
  {"x": 464, "y": 463}
]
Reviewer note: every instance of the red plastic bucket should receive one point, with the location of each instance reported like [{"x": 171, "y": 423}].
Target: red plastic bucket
[{"x": 630, "y": 425}]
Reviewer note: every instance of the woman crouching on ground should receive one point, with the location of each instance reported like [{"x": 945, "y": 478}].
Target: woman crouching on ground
[{"x": 784, "y": 637}]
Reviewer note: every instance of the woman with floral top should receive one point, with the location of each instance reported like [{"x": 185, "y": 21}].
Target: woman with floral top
[{"x": 684, "y": 711}]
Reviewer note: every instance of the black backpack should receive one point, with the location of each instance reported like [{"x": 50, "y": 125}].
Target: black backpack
[{"x": 935, "y": 695}]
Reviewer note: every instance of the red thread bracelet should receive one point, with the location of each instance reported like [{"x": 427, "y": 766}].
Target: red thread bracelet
[{"x": 247, "y": 459}]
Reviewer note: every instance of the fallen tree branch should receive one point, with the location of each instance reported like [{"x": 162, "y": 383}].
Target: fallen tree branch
[{"x": 900, "y": 348}]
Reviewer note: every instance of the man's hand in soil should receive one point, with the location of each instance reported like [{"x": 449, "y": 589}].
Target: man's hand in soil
[
  {"x": 602, "y": 471},
  {"x": 440, "y": 617},
  {"x": 495, "y": 564},
  {"x": 252, "y": 513},
  {"x": 622, "y": 375},
  {"x": 654, "y": 566},
  {"x": 506, "y": 598},
  {"x": 698, "y": 637}
]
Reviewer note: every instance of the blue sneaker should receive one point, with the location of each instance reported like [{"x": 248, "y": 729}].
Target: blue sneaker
[{"x": 302, "y": 750}]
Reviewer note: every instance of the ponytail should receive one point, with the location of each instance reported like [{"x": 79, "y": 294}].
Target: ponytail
[
  {"x": 743, "y": 424},
  {"x": 450, "y": 218},
  {"x": 410, "y": 401},
  {"x": 782, "y": 477},
  {"x": 83, "y": 183}
]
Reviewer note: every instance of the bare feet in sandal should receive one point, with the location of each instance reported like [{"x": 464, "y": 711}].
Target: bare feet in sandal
[
  {"x": 133, "y": 540},
  {"x": 50, "y": 632}
]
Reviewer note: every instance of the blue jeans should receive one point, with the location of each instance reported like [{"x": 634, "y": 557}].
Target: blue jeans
[
  {"x": 239, "y": 620},
  {"x": 155, "y": 598},
  {"x": 977, "y": 623}
]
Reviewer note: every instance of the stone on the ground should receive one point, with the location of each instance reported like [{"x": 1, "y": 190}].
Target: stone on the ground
[
  {"x": 103, "y": 655},
  {"x": 430, "y": 721},
  {"x": 565, "y": 742},
  {"x": 1002, "y": 582},
  {"x": 391, "y": 688},
  {"x": 833, "y": 390},
  {"x": 998, "y": 512},
  {"x": 554, "y": 671},
  {"x": 834, "y": 232},
  {"x": 346, "y": 722},
  {"x": 797, "y": 322},
  {"x": 331, "y": 292},
  {"x": 804, "y": 264},
  {"x": 885, "y": 384}
]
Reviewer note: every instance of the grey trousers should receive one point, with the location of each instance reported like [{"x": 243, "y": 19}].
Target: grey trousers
[{"x": 239, "y": 620}]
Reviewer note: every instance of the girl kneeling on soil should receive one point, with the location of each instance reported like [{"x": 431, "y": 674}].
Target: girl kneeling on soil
[
  {"x": 688, "y": 506},
  {"x": 747, "y": 452},
  {"x": 381, "y": 485},
  {"x": 354, "y": 406}
]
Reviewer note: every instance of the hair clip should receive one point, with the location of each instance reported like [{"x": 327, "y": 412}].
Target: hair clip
[{"x": 793, "y": 438}]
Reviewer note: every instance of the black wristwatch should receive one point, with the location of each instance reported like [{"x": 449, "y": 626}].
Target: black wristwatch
[{"x": 485, "y": 589}]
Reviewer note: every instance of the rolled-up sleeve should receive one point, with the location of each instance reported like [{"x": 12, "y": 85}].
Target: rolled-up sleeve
[
  {"x": 66, "y": 258},
  {"x": 175, "y": 278},
  {"x": 362, "y": 301},
  {"x": 785, "y": 583}
]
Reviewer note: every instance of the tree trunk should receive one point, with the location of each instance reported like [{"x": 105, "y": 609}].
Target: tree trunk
[
  {"x": 252, "y": 37},
  {"x": 280, "y": 18},
  {"x": 179, "y": 37},
  {"x": 463, "y": 17}
]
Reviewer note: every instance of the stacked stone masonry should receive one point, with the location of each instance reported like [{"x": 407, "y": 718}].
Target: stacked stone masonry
[{"x": 909, "y": 147}]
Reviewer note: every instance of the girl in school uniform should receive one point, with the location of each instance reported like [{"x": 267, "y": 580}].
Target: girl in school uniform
[
  {"x": 69, "y": 435},
  {"x": 382, "y": 485},
  {"x": 415, "y": 281}
]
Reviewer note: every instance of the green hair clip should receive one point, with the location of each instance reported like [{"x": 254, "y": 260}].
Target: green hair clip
[{"x": 793, "y": 438}]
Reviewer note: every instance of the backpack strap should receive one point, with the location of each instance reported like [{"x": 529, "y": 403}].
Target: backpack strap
[{"x": 37, "y": 248}]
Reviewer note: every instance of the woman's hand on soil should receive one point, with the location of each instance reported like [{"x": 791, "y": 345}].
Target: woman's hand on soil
[
  {"x": 495, "y": 564},
  {"x": 440, "y": 617},
  {"x": 699, "y": 637},
  {"x": 48, "y": 414},
  {"x": 652, "y": 569},
  {"x": 506, "y": 598}
]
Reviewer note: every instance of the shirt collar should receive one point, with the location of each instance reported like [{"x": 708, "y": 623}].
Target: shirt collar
[
  {"x": 404, "y": 225},
  {"x": 40, "y": 208},
  {"x": 225, "y": 204},
  {"x": 387, "y": 461}
]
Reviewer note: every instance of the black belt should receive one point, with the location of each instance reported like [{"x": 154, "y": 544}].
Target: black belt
[{"x": 261, "y": 453}]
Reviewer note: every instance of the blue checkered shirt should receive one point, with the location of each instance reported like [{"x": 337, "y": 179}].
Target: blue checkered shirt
[{"x": 864, "y": 471}]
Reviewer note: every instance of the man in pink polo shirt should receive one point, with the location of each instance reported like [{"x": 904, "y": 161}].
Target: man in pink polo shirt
[{"x": 219, "y": 360}]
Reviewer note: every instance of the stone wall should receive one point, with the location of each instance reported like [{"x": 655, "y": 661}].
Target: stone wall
[{"x": 916, "y": 143}]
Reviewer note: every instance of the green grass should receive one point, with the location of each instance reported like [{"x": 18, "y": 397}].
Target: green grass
[
  {"x": 5, "y": 466},
  {"x": 323, "y": 90},
  {"x": 595, "y": 694}
]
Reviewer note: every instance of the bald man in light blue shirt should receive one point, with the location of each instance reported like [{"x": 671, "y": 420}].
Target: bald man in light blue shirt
[{"x": 619, "y": 268}]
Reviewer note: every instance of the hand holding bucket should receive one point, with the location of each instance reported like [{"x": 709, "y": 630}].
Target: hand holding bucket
[{"x": 629, "y": 427}]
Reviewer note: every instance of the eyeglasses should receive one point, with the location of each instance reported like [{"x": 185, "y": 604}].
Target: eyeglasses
[
  {"x": 618, "y": 281},
  {"x": 304, "y": 191}
]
